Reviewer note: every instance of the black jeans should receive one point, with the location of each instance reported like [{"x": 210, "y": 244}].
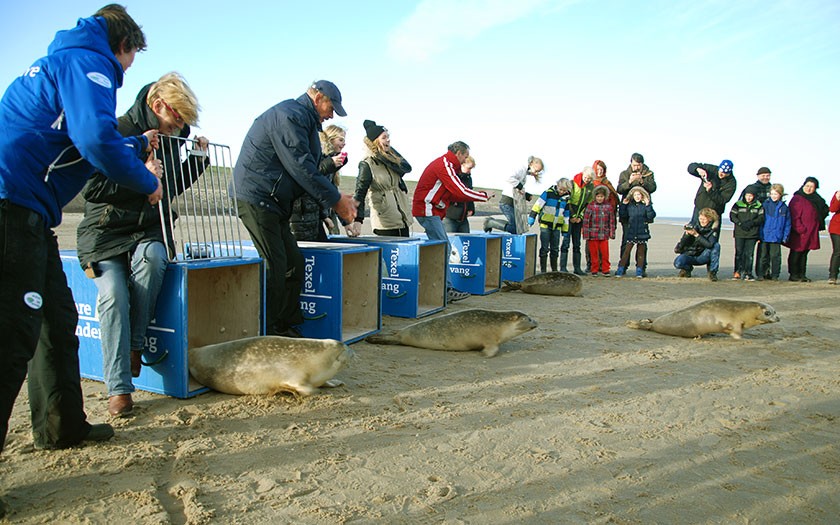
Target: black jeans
[
  {"x": 770, "y": 260},
  {"x": 834, "y": 264},
  {"x": 744, "y": 250},
  {"x": 283, "y": 261},
  {"x": 38, "y": 325}
]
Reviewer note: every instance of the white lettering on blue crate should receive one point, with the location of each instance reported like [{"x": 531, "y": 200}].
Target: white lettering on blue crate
[
  {"x": 393, "y": 268},
  {"x": 465, "y": 251},
  {"x": 308, "y": 271}
]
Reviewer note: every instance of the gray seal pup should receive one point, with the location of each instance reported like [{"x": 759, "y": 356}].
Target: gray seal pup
[
  {"x": 726, "y": 316},
  {"x": 268, "y": 364},
  {"x": 460, "y": 331},
  {"x": 550, "y": 283}
]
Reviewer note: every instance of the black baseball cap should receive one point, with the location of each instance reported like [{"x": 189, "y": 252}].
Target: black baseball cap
[{"x": 331, "y": 91}]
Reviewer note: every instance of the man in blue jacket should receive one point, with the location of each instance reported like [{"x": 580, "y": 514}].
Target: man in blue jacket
[
  {"x": 277, "y": 164},
  {"x": 59, "y": 125}
]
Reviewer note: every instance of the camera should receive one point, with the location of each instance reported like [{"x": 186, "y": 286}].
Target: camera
[{"x": 689, "y": 226}]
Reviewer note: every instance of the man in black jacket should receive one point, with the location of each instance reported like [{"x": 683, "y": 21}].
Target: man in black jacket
[
  {"x": 716, "y": 188},
  {"x": 121, "y": 241},
  {"x": 277, "y": 164}
]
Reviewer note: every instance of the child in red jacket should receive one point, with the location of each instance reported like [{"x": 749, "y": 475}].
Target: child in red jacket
[{"x": 598, "y": 229}]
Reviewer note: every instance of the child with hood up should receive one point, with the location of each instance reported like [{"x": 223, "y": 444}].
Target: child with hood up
[
  {"x": 635, "y": 212},
  {"x": 747, "y": 215},
  {"x": 598, "y": 229}
]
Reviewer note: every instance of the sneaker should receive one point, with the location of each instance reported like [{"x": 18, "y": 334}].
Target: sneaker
[
  {"x": 620, "y": 271},
  {"x": 640, "y": 273},
  {"x": 749, "y": 278},
  {"x": 578, "y": 271},
  {"x": 453, "y": 295},
  {"x": 713, "y": 276},
  {"x": 684, "y": 273},
  {"x": 594, "y": 274},
  {"x": 605, "y": 274},
  {"x": 832, "y": 281},
  {"x": 736, "y": 276}
]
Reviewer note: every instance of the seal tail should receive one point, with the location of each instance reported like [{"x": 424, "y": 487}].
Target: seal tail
[
  {"x": 384, "y": 338},
  {"x": 642, "y": 324},
  {"x": 510, "y": 286}
]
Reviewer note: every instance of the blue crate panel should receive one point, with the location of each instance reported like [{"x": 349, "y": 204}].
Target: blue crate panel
[
  {"x": 475, "y": 262},
  {"x": 519, "y": 256},
  {"x": 225, "y": 303},
  {"x": 413, "y": 274}
]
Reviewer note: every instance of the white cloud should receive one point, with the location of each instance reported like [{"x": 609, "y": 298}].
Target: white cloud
[{"x": 436, "y": 25}]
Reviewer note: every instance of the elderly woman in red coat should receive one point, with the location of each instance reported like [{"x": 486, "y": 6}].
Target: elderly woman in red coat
[{"x": 808, "y": 211}]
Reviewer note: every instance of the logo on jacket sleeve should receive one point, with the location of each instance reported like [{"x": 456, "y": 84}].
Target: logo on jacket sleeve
[
  {"x": 33, "y": 300},
  {"x": 99, "y": 78}
]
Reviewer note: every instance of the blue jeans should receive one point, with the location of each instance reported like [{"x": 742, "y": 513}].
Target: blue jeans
[
  {"x": 710, "y": 256},
  {"x": 508, "y": 212},
  {"x": 128, "y": 292},
  {"x": 550, "y": 242},
  {"x": 435, "y": 231}
]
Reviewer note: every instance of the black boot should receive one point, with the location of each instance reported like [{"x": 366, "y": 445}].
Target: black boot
[
  {"x": 542, "y": 263},
  {"x": 553, "y": 262},
  {"x": 576, "y": 263},
  {"x": 564, "y": 258}
]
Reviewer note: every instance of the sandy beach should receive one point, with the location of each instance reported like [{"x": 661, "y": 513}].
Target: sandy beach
[{"x": 581, "y": 420}]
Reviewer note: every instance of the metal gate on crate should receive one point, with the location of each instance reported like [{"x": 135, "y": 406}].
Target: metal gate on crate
[{"x": 211, "y": 292}]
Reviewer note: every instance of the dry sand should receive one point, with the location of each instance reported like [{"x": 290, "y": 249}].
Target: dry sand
[{"x": 579, "y": 421}]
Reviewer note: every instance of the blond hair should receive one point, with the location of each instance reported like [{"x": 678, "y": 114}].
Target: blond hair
[
  {"x": 778, "y": 188},
  {"x": 174, "y": 90},
  {"x": 330, "y": 133}
]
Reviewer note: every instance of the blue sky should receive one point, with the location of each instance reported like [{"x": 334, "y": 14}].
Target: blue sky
[{"x": 569, "y": 81}]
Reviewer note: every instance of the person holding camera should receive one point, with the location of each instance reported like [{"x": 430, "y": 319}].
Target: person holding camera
[
  {"x": 699, "y": 245},
  {"x": 747, "y": 215},
  {"x": 716, "y": 188}
]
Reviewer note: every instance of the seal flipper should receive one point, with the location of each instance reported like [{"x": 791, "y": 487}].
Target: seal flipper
[
  {"x": 509, "y": 286},
  {"x": 390, "y": 337},
  {"x": 490, "y": 350}
]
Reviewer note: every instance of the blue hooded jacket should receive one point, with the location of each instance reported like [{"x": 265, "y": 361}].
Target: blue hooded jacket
[
  {"x": 776, "y": 227},
  {"x": 58, "y": 125}
]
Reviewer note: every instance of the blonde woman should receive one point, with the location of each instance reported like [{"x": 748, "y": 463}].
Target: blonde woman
[{"x": 380, "y": 185}]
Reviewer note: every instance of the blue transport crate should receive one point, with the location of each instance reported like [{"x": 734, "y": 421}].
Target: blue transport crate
[
  {"x": 413, "y": 274},
  {"x": 475, "y": 262},
  {"x": 340, "y": 298},
  {"x": 201, "y": 303},
  {"x": 519, "y": 256}
]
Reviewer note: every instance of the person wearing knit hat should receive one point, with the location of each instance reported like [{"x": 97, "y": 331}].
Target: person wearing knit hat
[
  {"x": 717, "y": 187},
  {"x": 380, "y": 186}
]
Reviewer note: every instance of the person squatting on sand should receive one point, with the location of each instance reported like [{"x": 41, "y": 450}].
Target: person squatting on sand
[
  {"x": 458, "y": 213},
  {"x": 747, "y": 215},
  {"x": 310, "y": 221},
  {"x": 438, "y": 186},
  {"x": 277, "y": 164},
  {"x": 517, "y": 187},
  {"x": 598, "y": 229},
  {"x": 774, "y": 232},
  {"x": 635, "y": 214},
  {"x": 59, "y": 125},
  {"x": 120, "y": 242},
  {"x": 380, "y": 185},
  {"x": 553, "y": 212},
  {"x": 699, "y": 245},
  {"x": 808, "y": 212}
]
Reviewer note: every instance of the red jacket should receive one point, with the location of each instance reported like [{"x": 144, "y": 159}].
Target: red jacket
[
  {"x": 439, "y": 185},
  {"x": 834, "y": 224}
]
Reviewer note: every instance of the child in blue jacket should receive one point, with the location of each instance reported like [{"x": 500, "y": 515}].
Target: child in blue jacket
[{"x": 774, "y": 232}]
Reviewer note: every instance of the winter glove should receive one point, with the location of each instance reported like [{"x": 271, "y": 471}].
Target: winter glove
[
  {"x": 747, "y": 225},
  {"x": 531, "y": 220}
]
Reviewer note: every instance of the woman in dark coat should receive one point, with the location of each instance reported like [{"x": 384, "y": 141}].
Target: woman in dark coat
[{"x": 808, "y": 211}]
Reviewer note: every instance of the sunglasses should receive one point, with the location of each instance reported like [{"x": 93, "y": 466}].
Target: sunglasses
[{"x": 178, "y": 119}]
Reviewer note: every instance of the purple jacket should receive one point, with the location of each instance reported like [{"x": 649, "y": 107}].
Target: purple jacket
[{"x": 804, "y": 231}]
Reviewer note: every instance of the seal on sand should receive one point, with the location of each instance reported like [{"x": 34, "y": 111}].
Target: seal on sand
[
  {"x": 550, "y": 283},
  {"x": 726, "y": 316},
  {"x": 461, "y": 331},
  {"x": 268, "y": 364}
]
